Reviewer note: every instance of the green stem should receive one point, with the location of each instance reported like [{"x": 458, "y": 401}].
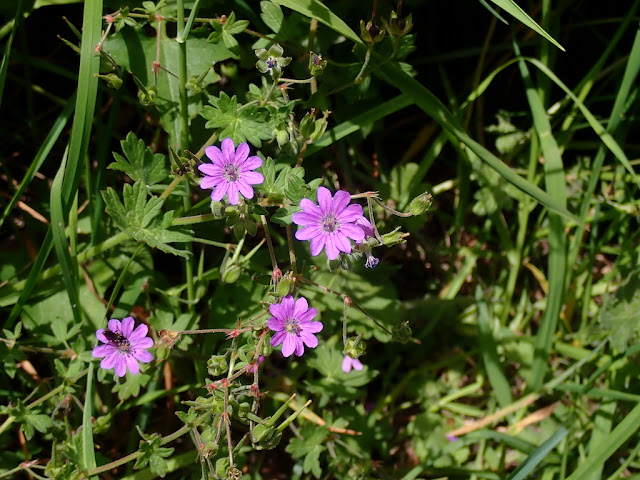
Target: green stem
[{"x": 182, "y": 79}]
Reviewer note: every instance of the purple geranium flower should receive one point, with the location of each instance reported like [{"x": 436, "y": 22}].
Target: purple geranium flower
[
  {"x": 348, "y": 363},
  {"x": 330, "y": 224},
  {"x": 231, "y": 172},
  {"x": 293, "y": 326},
  {"x": 123, "y": 346},
  {"x": 369, "y": 232}
]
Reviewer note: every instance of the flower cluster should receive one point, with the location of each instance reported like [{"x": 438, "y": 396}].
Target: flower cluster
[{"x": 123, "y": 346}]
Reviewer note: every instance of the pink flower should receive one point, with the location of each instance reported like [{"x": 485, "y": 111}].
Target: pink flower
[
  {"x": 348, "y": 363},
  {"x": 369, "y": 231},
  {"x": 293, "y": 326},
  {"x": 231, "y": 172},
  {"x": 123, "y": 346},
  {"x": 330, "y": 224}
]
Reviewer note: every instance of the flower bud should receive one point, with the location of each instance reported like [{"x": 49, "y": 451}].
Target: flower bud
[
  {"x": 421, "y": 203},
  {"x": 285, "y": 287},
  {"x": 395, "y": 237},
  {"x": 113, "y": 80},
  {"x": 147, "y": 97},
  {"x": 216, "y": 209},
  {"x": 282, "y": 137},
  {"x": 355, "y": 347},
  {"x": 217, "y": 365},
  {"x": 401, "y": 333},
  {"x": 316, "y": 64},
  {"x": 307, "y": 125},
  {"x": 231, "y": 274}
]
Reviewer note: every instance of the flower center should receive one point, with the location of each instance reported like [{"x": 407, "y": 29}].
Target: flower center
[
  {"x": 119, "y": 341},
  {"x": 271, "y": 62},
  {"x": 293, "y": 326},
  {"x": 231, "y": 173},
  {"x": 329, "y": 223}
]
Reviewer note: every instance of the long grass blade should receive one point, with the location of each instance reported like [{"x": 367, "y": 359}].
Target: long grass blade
[
  {"x": 489, "y": 353},
  {"x": 80, "y": 132},
  {"x": 4, "y": 66},
  {"x": 540, "y": 453},
  {"x": 88, "y": 450}
]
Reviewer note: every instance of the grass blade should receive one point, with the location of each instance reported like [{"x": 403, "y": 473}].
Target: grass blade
[
  {"x": 489, "y": 353},
  {"x": 4, "y": 66},
  {"x": 540, "y": 453},
  {"x": 514, "y": 10},
  {"x": 88, "y": 450}
]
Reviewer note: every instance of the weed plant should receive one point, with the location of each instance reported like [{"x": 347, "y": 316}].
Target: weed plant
[{"x": 297, "y": 239}]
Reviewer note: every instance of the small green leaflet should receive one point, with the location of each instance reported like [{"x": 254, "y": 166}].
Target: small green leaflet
[
  {"x": 620, "y": 314},
  {"x": 140, "y": 164},
  {"x": 240, "y": 125},
  {"x": 142, "y": 218}
]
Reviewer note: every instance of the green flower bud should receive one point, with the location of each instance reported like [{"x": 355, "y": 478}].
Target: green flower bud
[
  {"x": 355, "y": 347},
  {"x": 216, "y": 209},
  {"x": 282, "y": 137},
  {"x": 370, "y": 32},
  {"x": 398, "y": 27},
  {"x": 217, "y": 365},
  {"x": 421, "y": 203},
  {"x": 307, "y": 125},
  {"x": 316, "y": 64},
  {"x": 285, "y": 287},
  {"x": 149, "y": 97},
  {"x": 319, "y": 127},
  {"x": 113, "y": 80},
  {"x": 231, "y": 274},
  {"x": 401, "y": 333},
  {"x": 395, "y": 237},
  {"x": 194, "y": 85}
]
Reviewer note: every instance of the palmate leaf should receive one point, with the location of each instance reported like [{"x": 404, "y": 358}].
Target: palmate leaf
[
  {"x": 140, "y": 164},
  {"x": 240, "y": 125},
  {"x": 142, "y": 219}
]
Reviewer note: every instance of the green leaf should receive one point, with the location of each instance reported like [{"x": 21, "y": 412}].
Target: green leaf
[
  {"x": 140, "y": 164},
  {"x": 272, "y": 15},
  {"x": 282, "y": 216},
  {"x": 620, "y": 314},
  {"x": 141, "y": 218},
  {"x": 513, "y": 9},
  {"x": 39, "y": 421},
  {"x": 309, "y": 447},
  {"x": 241, "y": 125}
]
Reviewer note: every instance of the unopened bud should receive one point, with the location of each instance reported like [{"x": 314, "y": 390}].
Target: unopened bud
[
  {"x": 217, "y": 365},
  {"x": 401, "y": 333},
  {"x": 395, "y": 237},
  {"x": 421, "y": 204}
]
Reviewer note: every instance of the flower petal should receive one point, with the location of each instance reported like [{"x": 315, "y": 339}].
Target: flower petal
[
  {"x": 350, "y": 214},
  {"x": 278, "y": 311},
  {"x": 308, "y": 233},
  {"x": 245, "y": 189},
  {"x": 340, "y": 201},
  {"x": 133, "y": 364},
  {"x": 346, "y": 364},
  {"x": 232, "y": 194},
  {"x": 143, "y": 356},
  {"x": 140, "y": 332},
  {"x": 121, "y": 366},
  {"x": 208, "y": 182},
  {"x": 127, "y": 326},
  {"x": 352, "y": 231},
  {"x": 276, "y": 324},
  {"x": 324, "y": 200},
  {"x": 357, "y": 364},
  {"x": 341, "y": 242},
  {"x": 252, "y": 163},
  {"x": 219, "y": 192},
  {"x": 330, "y": 247},
  {"x": 100, "y": 335},
  {"x": 242, "y": 152},
  {"x": 278, "y": 338},
  {"x": 215, "y": 155},
  {"x": 252, "y": 178},
  {"x": 307, "y": 316},
  {"x": 299, "y": 348},
  {"x": 306, "y": 219},
  {"x": 309, "y": 207},
  {"x": 312, "y": 327},
  {"x": 114, "y": 325},
  {"x": 289, "y": 345},
  {"x": 288, "y": 305},
  {"x": 301, "y": 305},
  {"x": 110, "y": 360},
  {"x": 228, "y": 150},
  {"x": 317, "y": 244},
  {"x": 309, "y": 339},
  {"x": 103, "y": 350},
  {"x": 142, "y": 343},
  {"x": 208, "y": 168}
]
